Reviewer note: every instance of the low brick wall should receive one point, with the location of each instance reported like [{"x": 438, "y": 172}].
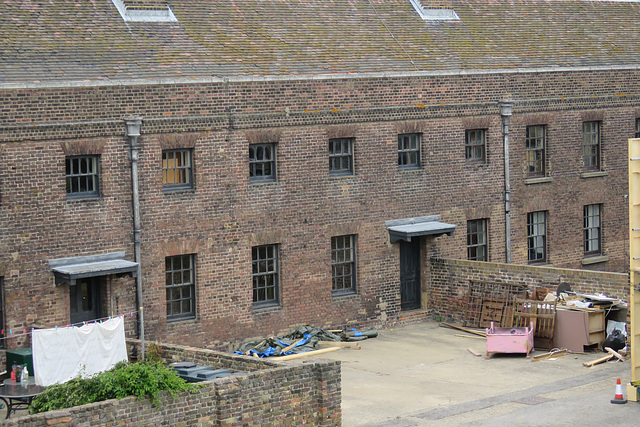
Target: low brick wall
[
  {"x": 450, "y": 279},
  {"x": 267, "y": 393}
]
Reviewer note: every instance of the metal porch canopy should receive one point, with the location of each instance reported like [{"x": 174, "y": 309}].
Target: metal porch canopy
[
  {"x": 68, "y": 270},
  {"x": 405, "y": 229}
]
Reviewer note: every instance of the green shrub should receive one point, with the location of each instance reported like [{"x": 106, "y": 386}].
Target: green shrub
[{"x": 143, "y": 379}]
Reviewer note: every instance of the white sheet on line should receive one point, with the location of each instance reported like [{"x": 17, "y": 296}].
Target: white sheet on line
[{"x": 62, "y": 354}]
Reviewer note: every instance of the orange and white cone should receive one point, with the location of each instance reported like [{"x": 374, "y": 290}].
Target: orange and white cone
[{"x": 619, "y": 398}]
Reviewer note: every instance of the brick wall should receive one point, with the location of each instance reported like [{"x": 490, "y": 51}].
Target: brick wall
[
  {"x": 225, "y": 214},
  {"x": 267, "y": 393},
  {"x": 450, "y": 279}
]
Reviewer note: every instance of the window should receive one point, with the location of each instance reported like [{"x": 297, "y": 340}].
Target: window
[
  {"x": 341, "y": 156},
  {"x": 177, "y": 169},
  {"x": 591, "y": 145},
  {"x": 409, "y": 151},
  {"x": 262, "y": 162},
  {"x": 82, "y": 175},
  {"x": 474, "y": 145},
  {"x": 265, "y": 274},
  {"x": 637, "y": 128},
  {"x": 343, "y": 264},
  {"x": 535, "y": 144},
  {"x": 477, "y": 240},
  {"x": 180, "y": 287},
  {"x": 592, "y": 234},
  {"x": 537, "y": 236}
]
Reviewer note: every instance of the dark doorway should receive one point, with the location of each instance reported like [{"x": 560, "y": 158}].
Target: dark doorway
[
  {"x": 410, "y": 274},
  {"x": 85, "y": 300}
]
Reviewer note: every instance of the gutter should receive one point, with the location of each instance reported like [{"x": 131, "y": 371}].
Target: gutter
[
  {"x": 133, "y": 132},
  {"x": 506, "y": 110},
  {"x": 221, "y": 79}
]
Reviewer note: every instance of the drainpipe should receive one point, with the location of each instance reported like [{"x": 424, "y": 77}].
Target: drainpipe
[
  {"x": 506, "y": 109},
  {"x": 133, "y": 132}
]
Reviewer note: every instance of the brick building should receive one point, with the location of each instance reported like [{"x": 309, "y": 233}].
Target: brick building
[{"x": 238, "y": 167}]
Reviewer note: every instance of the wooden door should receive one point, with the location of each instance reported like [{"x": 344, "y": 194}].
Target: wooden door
[
  {"x": 410, "y": 275},
  {"x": 84, "y": 300}
]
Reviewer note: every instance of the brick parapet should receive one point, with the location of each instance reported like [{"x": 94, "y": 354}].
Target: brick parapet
[
  {"x": 450, "y": 280},
  {"x": 90, "y": 112},
  {"x": 267, "y": 393}
]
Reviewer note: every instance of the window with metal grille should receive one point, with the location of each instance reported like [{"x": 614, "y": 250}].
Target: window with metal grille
[
  {"x": 180, "y": 287},
  {"x": 535, "y": 144},
  {"x": 409, "y": 151},
  {"x": 177, "y": 171},
  {"x": 592, "y": 231},
  {"x": 343, "y": 264},
  {"x": 341, "y": 156},
  {"x": 264, "y": 261},
  {"x": 82, "y": 176},
  {"x": 262, "y": 162},
  {"x": 477, "y": 240},
  {"x": 537, "y": 236},
  {"x": 474, "y": 145},
  {"x": 591, "y": 145}
]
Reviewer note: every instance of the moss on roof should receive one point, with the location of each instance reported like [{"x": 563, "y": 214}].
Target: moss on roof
[{"x": 71, "y": 40}]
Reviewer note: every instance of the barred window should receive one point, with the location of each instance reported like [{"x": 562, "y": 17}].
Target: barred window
[
  {"x": 262, "y": 162},
  {"x": 591, "y": 145},
  {"x": 592, "y": 231},
  {"x": 477, "y": 240},
  {"x": 82, "y": 176},
  {"x": 474, "y": 147},
  {"x": 177, "y": 171},
  {"x": 180, "y": 287},
  {"x": 536, "y": 146},
  {"x": 537, "y": 236},
  {"x": 343, "y": 264},
  {"x": 341, "y": 156},
  {"x": 264, "y": 261},
  {"x": 409, "y": 151}
]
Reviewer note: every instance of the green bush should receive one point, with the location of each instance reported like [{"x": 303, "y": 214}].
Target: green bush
[{"x": 143, "y": 379}]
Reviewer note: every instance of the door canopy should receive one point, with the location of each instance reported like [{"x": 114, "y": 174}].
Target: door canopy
[
  {"x": 405, "y": 229},
  {"x": 67, "y": 270}
]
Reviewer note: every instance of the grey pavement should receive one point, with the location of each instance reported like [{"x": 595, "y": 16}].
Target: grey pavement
[{"x": 423, "y": 375}]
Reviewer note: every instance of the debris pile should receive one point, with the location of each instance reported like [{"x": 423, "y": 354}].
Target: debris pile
[{"x": 303, "y": 339}]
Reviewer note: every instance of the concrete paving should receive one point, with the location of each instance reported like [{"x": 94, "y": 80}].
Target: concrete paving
[{"x": 423, "y": 375}]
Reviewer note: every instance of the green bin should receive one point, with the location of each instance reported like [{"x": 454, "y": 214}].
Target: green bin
[{"x": 22, "y": 357}]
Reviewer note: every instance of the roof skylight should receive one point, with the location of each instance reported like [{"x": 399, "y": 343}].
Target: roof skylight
[
  {"x": 434, "y": 14},
  {"x": 144, "y": 11}
]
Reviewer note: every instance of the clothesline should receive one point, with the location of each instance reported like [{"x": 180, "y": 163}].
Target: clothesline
[{"x": 70, "y": 325}]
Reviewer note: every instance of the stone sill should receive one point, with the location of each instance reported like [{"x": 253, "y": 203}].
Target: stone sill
[
  {"x": 594, "y": 174},
  {"x": 344, "y": 295},
  {"x": 541, "y": 180},
  {"x": 266, "y": 309},
  {"x": 595, "y": 259}
]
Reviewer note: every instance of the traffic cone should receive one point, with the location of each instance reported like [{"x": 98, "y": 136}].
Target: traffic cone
[{"x": 619, "y": 396}]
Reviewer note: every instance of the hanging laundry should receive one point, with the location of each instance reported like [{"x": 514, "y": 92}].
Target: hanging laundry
[{"x": 61, "y": 354}]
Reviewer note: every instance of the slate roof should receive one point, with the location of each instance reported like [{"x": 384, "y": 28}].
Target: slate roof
[{"x": 62, "y": 41}]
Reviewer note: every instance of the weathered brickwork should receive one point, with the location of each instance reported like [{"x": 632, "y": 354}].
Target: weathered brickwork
[
  {"x": 264, "y": 393},
  {"x": 225, "y": 214},
  {"x": 450, "y": 279}
]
